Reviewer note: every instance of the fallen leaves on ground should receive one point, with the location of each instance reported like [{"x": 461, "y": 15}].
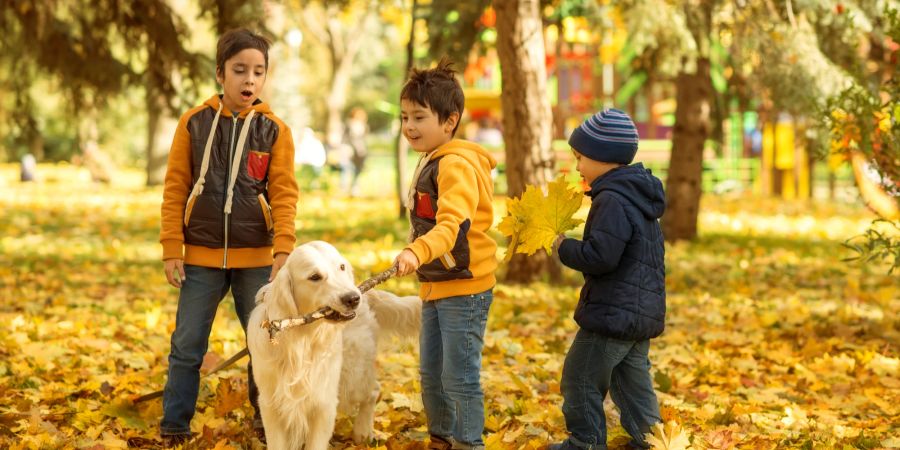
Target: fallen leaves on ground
[{"x": 771, "y": 340}]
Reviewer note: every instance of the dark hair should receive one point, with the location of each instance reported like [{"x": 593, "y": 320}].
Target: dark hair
[
  {"x": 235, "y": 41},
  {"x": 437, "y": 89}
]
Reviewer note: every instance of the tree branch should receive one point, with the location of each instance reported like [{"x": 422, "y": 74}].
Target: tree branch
[
  {"x": 313, "y": 25},
  {"x": 790, "y": 13}
]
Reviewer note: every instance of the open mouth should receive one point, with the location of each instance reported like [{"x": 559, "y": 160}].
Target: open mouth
[
  {"x": 337, "y": 316},
  {"x": 246, "y": 95}
]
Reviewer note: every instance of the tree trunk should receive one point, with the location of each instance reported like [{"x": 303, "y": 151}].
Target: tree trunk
[
  {"x": 335, "y": 103},
  {"x": 527, "y": 118},
  {"x": 692, "y": 127},
  {"x": 402, "y": 146},
  {"x": 160, "y": 129},
  {"x": 97, "y": 162},
  {"x": 344, "y": 44}
]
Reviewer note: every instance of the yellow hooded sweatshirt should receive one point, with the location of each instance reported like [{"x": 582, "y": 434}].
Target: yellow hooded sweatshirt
[{"x": 465, "y": 190}]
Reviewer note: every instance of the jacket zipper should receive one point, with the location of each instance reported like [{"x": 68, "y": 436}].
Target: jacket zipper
[{"x": 231, "y": 149}]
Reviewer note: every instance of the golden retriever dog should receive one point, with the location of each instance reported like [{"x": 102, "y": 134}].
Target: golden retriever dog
[{"x": 316, "y": 369}]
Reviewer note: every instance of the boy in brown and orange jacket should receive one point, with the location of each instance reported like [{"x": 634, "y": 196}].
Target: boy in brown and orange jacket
[
  {"x": 227, "y": 215},
  {"x": 451, "y": 210}
]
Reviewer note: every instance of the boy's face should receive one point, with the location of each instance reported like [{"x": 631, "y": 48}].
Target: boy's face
[
  {"x": 422, "y": 127},
  {"x": 242, "y": 79},
  {"x": 589, "y": 169}
]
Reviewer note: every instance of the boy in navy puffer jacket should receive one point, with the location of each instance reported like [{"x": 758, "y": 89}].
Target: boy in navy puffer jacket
[{"x": 623, "y": 301}]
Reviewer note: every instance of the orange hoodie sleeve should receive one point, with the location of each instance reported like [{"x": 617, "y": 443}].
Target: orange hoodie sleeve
[
  {"x": 283, "y": 191},
  {"x": 457, "y": 201},
  {"x": 176, "y": 190}
]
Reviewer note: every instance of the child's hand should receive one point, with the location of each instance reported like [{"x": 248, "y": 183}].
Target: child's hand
[
  {"x": 406, "y": 262},
  {"x": 558, "y": 242},
  {"x": 175, "y": 272},
  {"x": 280, "y": 259}
]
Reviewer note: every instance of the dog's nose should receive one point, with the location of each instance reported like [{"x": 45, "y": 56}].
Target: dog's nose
[{"x": 350, "y": 299}]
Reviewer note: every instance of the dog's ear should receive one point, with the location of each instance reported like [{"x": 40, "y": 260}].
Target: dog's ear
[
  {"x": 282, "y": 291},
  {"x": 262, "y": 292}
]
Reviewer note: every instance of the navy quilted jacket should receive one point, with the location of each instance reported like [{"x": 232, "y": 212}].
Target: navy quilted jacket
[{"x": 622, "y": 256}]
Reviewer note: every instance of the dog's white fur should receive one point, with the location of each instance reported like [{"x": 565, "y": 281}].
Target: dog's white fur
[{"x": 317, "y": 368}]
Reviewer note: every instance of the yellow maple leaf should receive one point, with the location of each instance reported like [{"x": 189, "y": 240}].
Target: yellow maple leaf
[
  {"x": 513, "y": 224},
  {"x": 534, "y": 220},
  {"x": 668, "y": 437}
]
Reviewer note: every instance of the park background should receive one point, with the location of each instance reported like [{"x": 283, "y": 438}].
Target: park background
[{"x": 773, "y": 124}]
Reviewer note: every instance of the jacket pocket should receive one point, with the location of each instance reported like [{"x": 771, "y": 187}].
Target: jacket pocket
[
  {"x": 189, "y": 208},
  {"x": 266, "y": 211},
  {"x": 424, "y": 208},
  {"x": 257, "y": 164}
]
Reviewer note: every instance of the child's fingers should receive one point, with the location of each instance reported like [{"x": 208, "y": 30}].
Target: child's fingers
[
  {"x": 175, "y": 272},
  {"x": 403, "y": 267},
  {"x": 170, "y": 277}
]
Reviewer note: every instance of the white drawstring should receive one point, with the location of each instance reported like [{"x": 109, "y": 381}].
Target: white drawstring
[
  {"x": 236, "y": 162},
  {"x": 204, "y": 166}
]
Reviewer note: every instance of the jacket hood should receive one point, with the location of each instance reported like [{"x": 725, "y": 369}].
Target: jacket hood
[
  {"x": 259, "y": 106},
  {"x": 476, "y": 155},
  {"x": 638, "y": 185}
]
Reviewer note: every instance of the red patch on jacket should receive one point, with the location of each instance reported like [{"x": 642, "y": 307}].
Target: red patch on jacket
[
  {"x": 257, "y": 164},
  {"x": 424, "y": 208}
]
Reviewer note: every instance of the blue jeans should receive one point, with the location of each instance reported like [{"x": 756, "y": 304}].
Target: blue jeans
[
  {"x": 201, "y": 293},
  {"x": 596, "y": 365},
  {"x": 450, "y": 351}
]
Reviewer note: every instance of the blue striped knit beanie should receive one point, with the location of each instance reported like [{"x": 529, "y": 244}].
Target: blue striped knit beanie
[{"x": 608, "y": 136}]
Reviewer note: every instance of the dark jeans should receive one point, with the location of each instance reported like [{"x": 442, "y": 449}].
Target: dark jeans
[
  {"x": 596, "y": 365},
  {"x": 200, "y": 296}
]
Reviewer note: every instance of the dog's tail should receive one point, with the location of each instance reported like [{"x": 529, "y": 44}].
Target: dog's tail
[{"x": 399, "y": 316}]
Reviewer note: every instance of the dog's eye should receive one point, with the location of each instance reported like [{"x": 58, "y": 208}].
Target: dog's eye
[
  {"x": 315, "y": 277},
  {"x": 343, "y": 267}
]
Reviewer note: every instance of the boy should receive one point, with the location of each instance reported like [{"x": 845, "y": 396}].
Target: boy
[
  {"x": 450, "y": 214},
  {"x": 228, "y": 206},
  {"x": 623, "y": 301}
]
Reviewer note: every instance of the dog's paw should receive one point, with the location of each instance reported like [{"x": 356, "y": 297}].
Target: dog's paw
[{"x": 362, "y": 436}]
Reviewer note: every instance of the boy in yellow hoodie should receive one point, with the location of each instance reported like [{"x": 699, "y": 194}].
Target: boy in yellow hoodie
[
  {"x": 452, "y": 254},
  {"x": 227, "y": 215}
]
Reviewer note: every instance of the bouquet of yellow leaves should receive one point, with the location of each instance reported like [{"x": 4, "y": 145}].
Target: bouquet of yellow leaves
[{"x": 534, "y": 220}]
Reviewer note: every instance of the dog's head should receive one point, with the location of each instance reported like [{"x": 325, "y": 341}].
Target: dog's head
[{"x": 316, "y": 275}]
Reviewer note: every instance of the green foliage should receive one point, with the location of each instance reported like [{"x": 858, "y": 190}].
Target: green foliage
[
  {"x": 866, "y": 118},
  {"x": 230, "y": 14},
  {"x": 453, "y": 28},
  {"x": 877, "y": 245},
  {"x": 658, "y": 34},
  {"x": 561, "y": 9}
]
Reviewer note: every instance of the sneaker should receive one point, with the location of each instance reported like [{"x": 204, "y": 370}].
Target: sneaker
[
  {"x": 564, "y": 445},
  {"x": 439, "y": 443},
  {"x": 172, "y": 440}
]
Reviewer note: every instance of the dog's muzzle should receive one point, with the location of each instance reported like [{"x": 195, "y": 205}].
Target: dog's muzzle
[{"x": 351, "y": 301}]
